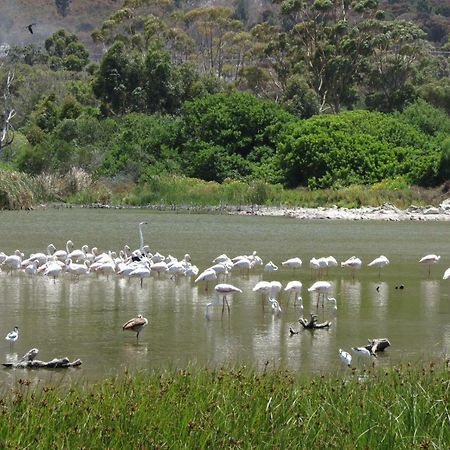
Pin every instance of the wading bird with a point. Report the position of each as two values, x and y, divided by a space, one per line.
379 262
294 287
429 259
13 335
136 324
222 289
322 288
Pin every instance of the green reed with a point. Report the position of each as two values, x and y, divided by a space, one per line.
21 191
401 408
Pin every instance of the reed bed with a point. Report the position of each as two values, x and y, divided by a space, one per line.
20 191
404 407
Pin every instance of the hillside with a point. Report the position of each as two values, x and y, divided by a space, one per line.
80 18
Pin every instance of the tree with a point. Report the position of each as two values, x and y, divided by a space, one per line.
66 51
62 6
119 75
321 40
399 52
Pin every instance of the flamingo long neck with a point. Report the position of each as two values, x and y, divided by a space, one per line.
141 239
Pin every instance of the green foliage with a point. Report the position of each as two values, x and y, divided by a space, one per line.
228 136
356 148
143 146
66 51
235 408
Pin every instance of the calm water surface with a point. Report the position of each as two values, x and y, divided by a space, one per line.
83 319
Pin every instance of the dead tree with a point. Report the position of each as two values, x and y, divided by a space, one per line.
7 130
312 323
377 345
28 361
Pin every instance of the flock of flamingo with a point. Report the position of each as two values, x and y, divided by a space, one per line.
141 263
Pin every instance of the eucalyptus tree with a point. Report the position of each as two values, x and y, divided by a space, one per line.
395 68
324 42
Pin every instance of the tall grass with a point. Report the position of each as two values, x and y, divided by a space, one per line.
399 408
19 191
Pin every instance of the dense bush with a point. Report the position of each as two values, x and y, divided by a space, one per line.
231 136
357 147
143 146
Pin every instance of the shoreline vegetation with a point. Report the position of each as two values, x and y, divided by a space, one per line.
402 407
77 188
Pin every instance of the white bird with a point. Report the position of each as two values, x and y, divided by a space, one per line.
334 305
53 269
13 335
222 289
353 263
379 262
294 287
136 324
270 267
293 263
141 271
207 275
446 274
322 288
429 259
14 261
276 308
345 357
77 269
141 237
265 288
362 352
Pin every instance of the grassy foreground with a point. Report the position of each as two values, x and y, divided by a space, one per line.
400 408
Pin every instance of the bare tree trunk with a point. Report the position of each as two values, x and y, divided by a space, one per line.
7 131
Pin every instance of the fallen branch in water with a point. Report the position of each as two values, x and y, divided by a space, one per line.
312 323
28 361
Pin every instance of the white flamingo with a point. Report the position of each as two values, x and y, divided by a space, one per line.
379 262
429 259
222 289
293 263
446 274
322 288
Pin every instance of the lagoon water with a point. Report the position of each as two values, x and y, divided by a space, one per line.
83 318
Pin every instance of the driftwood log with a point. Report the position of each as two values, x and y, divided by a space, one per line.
28 361
377 345
312 323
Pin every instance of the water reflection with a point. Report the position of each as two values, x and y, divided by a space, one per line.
83 318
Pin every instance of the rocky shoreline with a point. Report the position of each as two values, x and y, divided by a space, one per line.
387 211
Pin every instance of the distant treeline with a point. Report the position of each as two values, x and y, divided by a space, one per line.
320 95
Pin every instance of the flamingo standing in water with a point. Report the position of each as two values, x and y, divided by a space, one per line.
429 259
222 289
294 287
379 262
322 288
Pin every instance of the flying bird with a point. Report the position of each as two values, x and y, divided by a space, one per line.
135 324
30 27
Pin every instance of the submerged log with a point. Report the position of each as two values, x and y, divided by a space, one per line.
312 323
377 345
28 361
